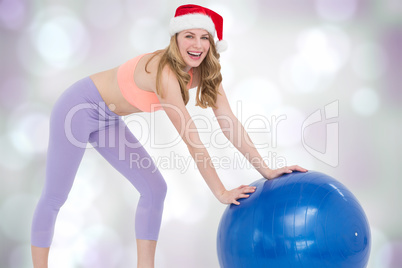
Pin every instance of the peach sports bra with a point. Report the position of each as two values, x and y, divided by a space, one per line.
146 101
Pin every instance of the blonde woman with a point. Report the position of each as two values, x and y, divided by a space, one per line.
91 109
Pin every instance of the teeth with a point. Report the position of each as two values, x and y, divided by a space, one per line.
194 54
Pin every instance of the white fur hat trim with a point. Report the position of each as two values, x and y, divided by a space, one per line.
191 21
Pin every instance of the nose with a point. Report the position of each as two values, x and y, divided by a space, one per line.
197 42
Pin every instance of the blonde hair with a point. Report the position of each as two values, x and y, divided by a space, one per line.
209 73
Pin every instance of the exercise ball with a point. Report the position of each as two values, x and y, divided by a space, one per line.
297 220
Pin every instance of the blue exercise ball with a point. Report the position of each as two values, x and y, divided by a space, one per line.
298 220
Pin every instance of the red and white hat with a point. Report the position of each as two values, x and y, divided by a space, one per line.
198 17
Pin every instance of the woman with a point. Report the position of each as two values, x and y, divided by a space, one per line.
90 110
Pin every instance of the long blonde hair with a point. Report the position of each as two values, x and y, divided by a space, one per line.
209 72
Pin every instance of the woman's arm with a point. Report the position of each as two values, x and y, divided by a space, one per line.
175 109
238 136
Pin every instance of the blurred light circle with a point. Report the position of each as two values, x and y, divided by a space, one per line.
196 211
158 9
336 10
369 61
13 90
148 35
287 132
326 48
53 43
303 77
59 37
68 229
57 40
365 101
10 157
16 213
316 46
84 194
228 73
321 53
28 126
13 13
297 155
98 246
72 222
254 96
61 258
30 133
104 14
390 255
192 210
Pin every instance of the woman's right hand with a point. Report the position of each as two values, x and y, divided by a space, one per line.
231 197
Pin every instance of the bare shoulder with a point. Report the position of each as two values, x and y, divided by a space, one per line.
151 61
168 76
145 72
170 84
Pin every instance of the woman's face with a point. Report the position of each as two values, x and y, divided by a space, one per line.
193 45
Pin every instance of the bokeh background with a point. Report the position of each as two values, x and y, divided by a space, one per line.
286 59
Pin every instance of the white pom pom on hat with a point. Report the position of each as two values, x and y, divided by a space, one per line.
221 46
193 16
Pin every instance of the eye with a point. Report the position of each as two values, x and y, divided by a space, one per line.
205 38
189 36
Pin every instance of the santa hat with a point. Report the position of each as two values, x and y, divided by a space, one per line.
198 17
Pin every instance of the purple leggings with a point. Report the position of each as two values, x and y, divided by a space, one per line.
80 116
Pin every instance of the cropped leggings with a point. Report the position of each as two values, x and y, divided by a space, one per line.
81 116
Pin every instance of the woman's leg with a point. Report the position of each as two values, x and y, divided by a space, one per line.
70 125
121 149
146 253
39 256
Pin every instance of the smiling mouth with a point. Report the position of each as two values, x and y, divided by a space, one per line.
194 54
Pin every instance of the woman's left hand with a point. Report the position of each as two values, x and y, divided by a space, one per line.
231 197
274 173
